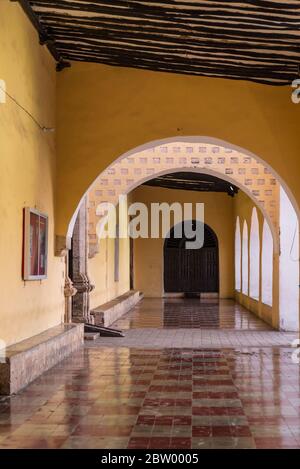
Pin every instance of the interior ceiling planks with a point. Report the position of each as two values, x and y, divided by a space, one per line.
193 182
252 40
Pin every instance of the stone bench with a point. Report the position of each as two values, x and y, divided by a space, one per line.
25 361
109 312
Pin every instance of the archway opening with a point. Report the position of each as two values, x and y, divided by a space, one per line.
254 257
238 167
191 271
245 260
238 254
267 266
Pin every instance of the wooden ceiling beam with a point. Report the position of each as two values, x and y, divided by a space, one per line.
255 41
193 182
44 37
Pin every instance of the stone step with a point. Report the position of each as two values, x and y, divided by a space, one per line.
25 361
107 313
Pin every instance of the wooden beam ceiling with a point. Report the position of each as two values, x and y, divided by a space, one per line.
193 182
252 40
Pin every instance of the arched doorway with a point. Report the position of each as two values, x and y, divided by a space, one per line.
203 155
191 270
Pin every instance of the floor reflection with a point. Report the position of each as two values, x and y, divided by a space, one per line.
121 397
190 313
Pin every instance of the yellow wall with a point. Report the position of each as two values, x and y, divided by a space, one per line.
27 176
101 268
243 207
105 111
148 253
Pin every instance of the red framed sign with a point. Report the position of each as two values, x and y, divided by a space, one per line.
35 245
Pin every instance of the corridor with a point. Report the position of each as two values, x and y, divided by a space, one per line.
110 394
149 162
190 313
184 323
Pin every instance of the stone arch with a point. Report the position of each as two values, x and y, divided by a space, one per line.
186 140
197 154
132 169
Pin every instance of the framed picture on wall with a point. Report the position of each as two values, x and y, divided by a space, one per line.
35 244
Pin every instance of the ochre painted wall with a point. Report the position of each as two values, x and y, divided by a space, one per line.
105 111
27 176
148 253
243 207
101 267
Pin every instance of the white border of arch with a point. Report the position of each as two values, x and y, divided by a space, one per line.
238 254
245 260
267 266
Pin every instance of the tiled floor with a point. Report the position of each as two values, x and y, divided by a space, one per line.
167 398
191 323
190 313
230 383
201 338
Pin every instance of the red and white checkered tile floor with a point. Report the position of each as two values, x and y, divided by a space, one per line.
122 397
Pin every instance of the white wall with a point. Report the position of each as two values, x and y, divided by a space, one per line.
288 265
267 266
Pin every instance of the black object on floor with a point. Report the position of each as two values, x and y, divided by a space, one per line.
103 331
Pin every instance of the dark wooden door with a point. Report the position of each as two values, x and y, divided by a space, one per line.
192 270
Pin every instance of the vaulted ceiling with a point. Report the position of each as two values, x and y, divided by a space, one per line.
251 40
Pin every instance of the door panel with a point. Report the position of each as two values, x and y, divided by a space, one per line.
191 270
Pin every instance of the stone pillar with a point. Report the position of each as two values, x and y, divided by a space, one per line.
69 291
81 281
